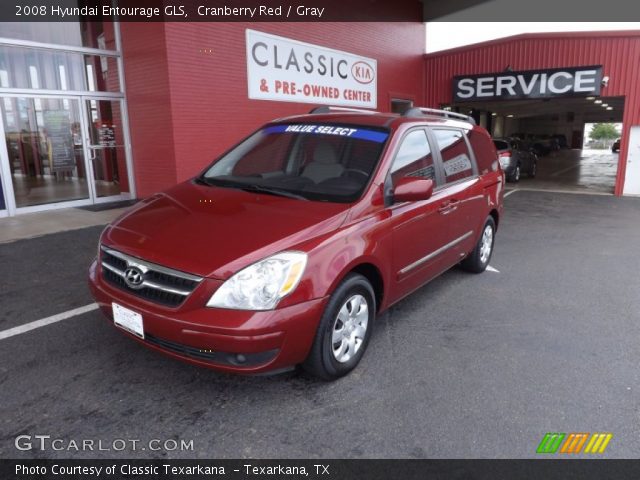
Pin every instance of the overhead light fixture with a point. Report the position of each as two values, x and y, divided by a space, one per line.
598 101
510 116
591 98
609 108
604 105
494 114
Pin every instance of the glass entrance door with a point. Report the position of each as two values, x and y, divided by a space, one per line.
44 143
106 148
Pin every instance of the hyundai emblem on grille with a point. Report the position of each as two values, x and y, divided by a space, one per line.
134 277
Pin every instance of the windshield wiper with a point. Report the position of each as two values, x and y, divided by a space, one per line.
203 181
218 182
271 191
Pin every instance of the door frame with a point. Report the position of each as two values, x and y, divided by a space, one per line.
81 98
88 149
631 185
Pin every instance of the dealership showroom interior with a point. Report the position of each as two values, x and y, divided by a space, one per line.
397 230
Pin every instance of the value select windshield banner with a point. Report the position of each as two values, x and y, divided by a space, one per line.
359 133
287 70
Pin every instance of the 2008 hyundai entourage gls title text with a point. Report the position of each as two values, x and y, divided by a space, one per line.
283 250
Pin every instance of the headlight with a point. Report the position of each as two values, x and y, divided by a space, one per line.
260 286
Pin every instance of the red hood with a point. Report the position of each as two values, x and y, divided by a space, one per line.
213 231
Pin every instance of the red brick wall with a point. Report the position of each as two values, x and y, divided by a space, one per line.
187 105
149 105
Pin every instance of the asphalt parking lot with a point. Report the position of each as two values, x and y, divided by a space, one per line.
470 366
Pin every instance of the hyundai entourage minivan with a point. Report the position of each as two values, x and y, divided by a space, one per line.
284 250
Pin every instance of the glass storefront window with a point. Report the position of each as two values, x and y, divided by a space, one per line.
80 34
46 156
62 110
33 68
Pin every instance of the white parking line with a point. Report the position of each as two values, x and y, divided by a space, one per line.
564 170
47 321
510 192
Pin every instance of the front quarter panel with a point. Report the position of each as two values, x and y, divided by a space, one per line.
332 257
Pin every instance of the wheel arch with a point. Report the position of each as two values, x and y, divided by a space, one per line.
496 217
371 272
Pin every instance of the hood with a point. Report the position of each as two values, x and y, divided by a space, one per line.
214 231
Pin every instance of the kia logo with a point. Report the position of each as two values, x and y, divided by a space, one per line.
133 277
362 72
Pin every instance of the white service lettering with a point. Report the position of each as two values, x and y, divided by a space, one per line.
465 85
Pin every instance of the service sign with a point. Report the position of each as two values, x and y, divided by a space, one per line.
557 82
286 70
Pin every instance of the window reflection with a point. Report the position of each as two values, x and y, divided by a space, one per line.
53 70
80 34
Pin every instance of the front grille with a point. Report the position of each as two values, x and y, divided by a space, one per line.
158 284
225 358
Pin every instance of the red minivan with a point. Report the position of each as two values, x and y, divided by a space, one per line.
284 250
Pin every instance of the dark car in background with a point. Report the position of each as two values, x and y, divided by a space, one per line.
560 140
515 158
544 144
615 148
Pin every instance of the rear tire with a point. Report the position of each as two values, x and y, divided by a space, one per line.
344 330
534 169
478 260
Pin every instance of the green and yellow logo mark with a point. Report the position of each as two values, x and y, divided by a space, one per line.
573 442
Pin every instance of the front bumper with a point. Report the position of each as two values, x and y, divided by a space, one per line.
237 341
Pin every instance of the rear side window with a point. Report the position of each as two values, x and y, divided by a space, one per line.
456 160
485 150
414 158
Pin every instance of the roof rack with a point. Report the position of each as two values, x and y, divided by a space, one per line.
328 109
434 112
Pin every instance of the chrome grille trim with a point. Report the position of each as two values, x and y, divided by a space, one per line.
147 283
145 267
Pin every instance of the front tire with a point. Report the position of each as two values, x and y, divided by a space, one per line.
344 330
515 176
478 260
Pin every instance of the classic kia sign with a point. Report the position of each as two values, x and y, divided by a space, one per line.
287 70
557 82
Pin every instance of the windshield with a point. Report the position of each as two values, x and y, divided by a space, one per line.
325 162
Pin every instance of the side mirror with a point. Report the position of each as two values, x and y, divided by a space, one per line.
412 189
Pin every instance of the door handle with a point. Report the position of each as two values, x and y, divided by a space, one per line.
448 206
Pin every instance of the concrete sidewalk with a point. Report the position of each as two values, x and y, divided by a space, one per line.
53 221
